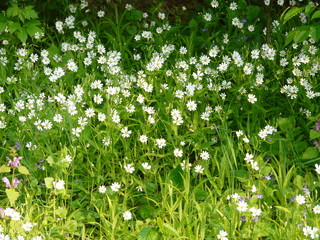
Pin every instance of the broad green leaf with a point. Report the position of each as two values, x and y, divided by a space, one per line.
5 169
32 30
22 35
50 160
62 212
167 228
12 195
301 36
286 124
314 134
13 26
253 12
48 181
315 33
291 13
310 153
29 13
316 15
309 9
175 176
148 233
13 11
200 194
23 170
146 211
3 22
132 30
290 37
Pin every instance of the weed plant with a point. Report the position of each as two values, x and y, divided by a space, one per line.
121 124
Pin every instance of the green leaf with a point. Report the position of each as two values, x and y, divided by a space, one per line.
316 15
301 35
148 233
131 30
175 176
29 13
290 37
200 194
12 195
32 30
50 160
314 134
308 10
193 24
291 13
167 228
48 181
315 33
310 153
23 170
253 12
13 11
146 211
22 35
13 26
62 212
3 22
5 169
286 124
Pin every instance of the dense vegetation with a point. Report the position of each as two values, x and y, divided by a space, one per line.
135 121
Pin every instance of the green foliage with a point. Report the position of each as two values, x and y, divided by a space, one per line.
21 22
301 34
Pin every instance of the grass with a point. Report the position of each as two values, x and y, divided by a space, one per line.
131 125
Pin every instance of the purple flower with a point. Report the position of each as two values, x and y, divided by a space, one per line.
243 218
306 190
15 162
317 145
259 195
7 182
267 177
317 128
17 145
14 184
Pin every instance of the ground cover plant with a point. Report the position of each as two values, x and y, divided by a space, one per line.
120 123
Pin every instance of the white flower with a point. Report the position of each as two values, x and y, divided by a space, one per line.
129 168
222 235
102 189
161 143
242 206
204 155
143 139
177 152
255 211
125 132
300 199
127 215
146 166
239 133
28 226
115 186
198 169
59 185
252 98
316 209
317 168
191 105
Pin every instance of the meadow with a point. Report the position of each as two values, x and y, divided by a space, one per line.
123 123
